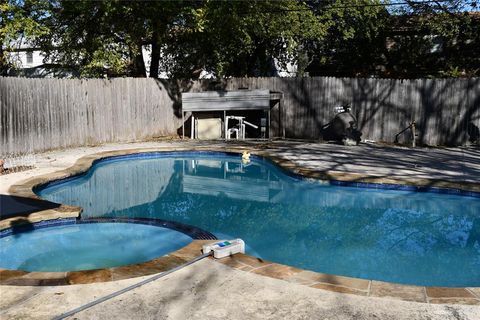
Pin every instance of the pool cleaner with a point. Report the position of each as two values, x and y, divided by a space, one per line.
224 249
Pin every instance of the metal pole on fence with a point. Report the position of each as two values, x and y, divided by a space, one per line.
414 134
183 125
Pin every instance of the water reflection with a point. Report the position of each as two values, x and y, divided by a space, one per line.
231 179
114 186
408 237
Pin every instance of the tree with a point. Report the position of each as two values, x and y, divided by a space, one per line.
239 38
247 38
419 39
20 22
98 36
354 42
455 28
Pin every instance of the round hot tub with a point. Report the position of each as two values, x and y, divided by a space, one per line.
85 246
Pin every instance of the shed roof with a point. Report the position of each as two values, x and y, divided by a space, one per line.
226 100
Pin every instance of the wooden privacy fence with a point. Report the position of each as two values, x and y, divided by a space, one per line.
42 114
446 111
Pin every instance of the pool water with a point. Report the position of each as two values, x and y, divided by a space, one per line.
87 246
408 237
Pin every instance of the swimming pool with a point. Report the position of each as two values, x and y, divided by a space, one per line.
422 238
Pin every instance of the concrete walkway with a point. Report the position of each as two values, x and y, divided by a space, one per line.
210 290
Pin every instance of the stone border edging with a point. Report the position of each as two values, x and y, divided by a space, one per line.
357 286
161 264
244 262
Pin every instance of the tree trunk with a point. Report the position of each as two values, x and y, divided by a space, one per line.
154 64
3 63
138 64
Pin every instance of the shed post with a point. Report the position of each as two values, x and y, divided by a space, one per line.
225 124
281 107
192 133
268 124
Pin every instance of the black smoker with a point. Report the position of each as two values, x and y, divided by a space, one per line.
343 127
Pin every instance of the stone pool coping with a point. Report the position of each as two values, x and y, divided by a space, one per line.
245 263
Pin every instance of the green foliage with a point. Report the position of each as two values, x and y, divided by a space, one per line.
353 45
105 59
20 21
240 38
246 38
417 40
456 31
101 37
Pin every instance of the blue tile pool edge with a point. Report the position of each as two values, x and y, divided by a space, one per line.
191 231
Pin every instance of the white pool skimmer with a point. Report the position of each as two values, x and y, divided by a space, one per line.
224 249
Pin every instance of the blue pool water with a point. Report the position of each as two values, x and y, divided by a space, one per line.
87 246
421 238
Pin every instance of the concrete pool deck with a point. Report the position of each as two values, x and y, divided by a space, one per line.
210 290
437 167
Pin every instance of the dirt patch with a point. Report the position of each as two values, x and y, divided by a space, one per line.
4 171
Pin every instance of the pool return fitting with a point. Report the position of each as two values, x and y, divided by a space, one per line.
219 250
